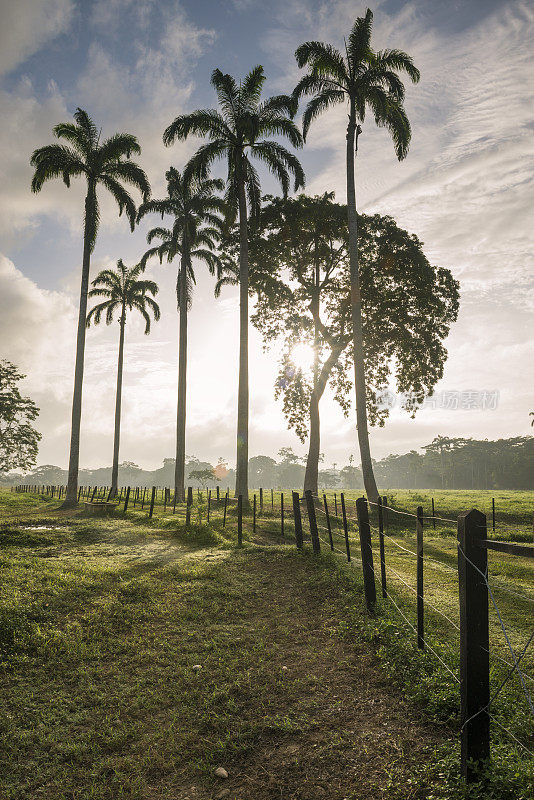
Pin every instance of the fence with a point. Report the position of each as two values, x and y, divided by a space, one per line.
332 526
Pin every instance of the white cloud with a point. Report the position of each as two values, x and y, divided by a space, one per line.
27 26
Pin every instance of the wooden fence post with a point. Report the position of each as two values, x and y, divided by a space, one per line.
174 500
209 506
282 513
297 519
254 515
367 553
474 643
261 500
433 515
189 506
493 512
218 492
328 525
420 590
345 525
240 520
272 501
316 544
93 495
152 499
335 503
225 507
126 500
382 549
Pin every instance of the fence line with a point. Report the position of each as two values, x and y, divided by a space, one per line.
475 595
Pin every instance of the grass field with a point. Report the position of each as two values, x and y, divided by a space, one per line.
300 693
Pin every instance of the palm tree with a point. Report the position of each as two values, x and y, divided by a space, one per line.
237 132
108 165
365 79
123 291
194 205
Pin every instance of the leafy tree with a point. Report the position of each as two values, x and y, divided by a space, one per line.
439 448
303 294
193 204
262 471
19 441
107 165
204 475
221 468
365 79
124 291
239 131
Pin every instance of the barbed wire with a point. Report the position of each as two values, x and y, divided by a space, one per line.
519 672
509 732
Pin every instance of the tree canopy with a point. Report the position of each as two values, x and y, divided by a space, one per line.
19 441
300 275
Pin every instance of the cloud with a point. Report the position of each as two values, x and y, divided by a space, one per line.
27 26
36 334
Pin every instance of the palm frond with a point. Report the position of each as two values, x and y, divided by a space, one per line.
199 123
54 161
359 44
321 102
84 121
279 104
121 197
394 118
400 61
130 173
227 93
276 125
280 162
117 146
324 60
199 165
251 88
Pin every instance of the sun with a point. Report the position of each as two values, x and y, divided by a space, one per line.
302 356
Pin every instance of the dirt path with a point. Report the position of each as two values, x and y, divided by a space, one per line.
356 735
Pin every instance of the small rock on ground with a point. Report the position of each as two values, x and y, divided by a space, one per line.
220 772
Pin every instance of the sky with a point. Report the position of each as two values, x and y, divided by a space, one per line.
466 189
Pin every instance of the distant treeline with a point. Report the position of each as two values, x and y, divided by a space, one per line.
444 463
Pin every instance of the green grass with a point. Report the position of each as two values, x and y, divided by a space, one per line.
300 691
513 509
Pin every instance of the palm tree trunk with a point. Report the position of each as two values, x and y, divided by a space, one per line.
71 497
357 327
179 469
311 477
118 402
241 483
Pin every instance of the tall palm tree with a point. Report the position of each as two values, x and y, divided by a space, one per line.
105 164
363 79
239 131
197 224
123 292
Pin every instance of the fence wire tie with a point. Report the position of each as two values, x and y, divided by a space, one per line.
516 663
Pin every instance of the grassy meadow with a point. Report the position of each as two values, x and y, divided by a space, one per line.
138 656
